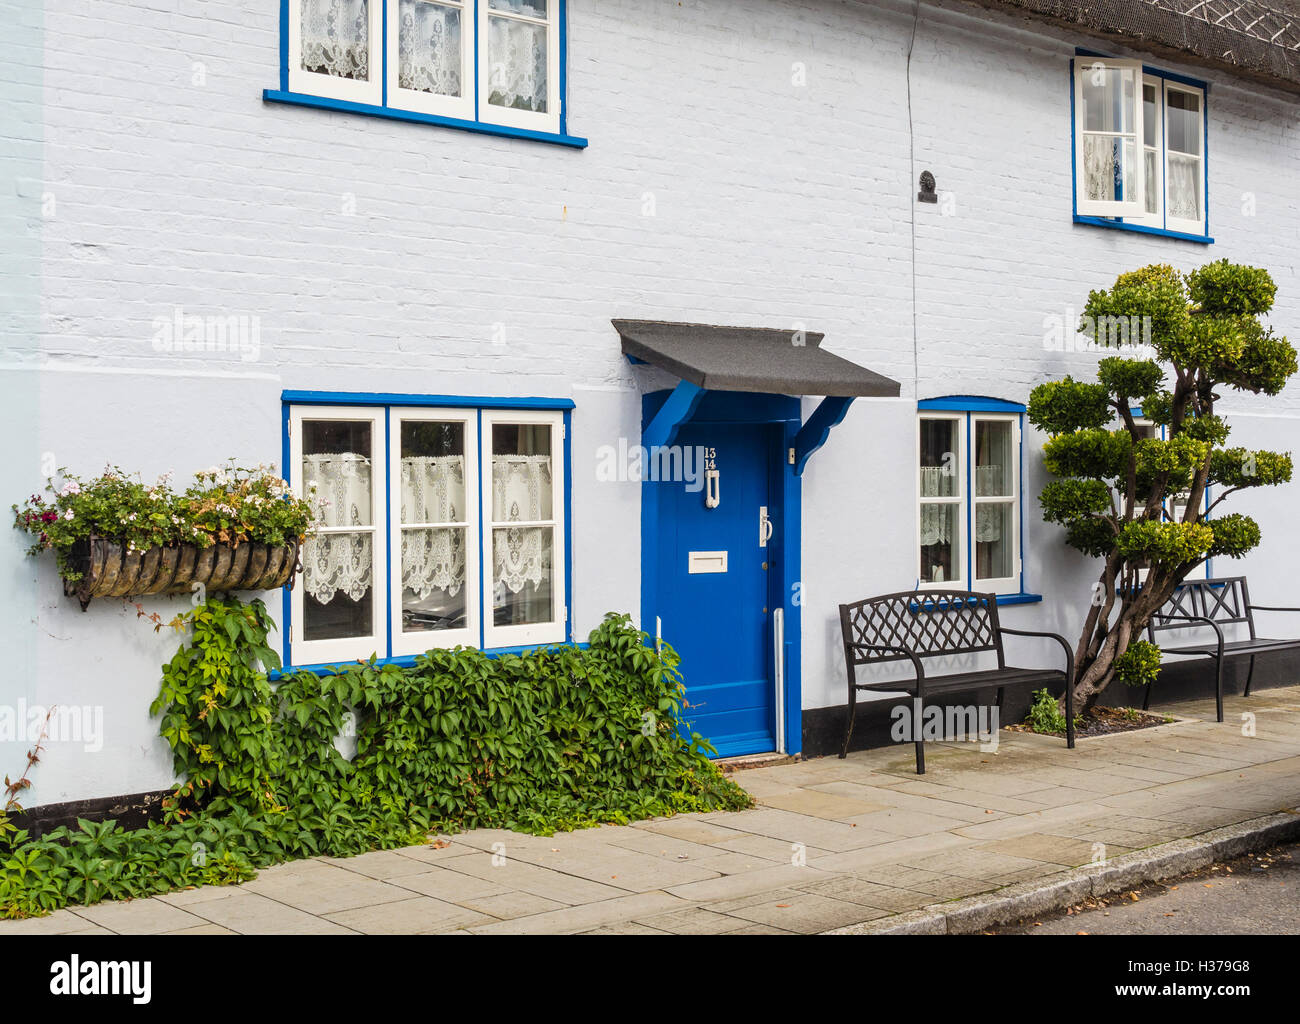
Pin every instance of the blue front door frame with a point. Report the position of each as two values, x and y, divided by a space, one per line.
759 430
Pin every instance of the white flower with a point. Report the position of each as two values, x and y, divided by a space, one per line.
69 515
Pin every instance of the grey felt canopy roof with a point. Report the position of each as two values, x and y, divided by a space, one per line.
1255 39
750 359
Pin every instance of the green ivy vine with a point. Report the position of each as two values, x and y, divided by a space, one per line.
555 739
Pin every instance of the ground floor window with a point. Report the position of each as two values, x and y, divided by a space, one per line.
968 489
436 526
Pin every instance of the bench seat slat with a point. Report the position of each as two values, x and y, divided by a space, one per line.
1256 646
1008 676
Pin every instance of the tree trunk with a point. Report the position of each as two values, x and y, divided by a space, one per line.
1103 642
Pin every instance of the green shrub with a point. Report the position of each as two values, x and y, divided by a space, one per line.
1044 713
556 739
1139 665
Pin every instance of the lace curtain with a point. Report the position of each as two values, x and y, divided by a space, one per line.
988 523
517 51
1151 199
429 48
938 524
1101 170
938 527
338 562
335 38
988 482
937 482
1184 187
433 491
521 491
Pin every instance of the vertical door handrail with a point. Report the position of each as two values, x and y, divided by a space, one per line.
778 674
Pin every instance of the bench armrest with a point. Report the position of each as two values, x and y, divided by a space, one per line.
887 648
1269 608
1218 630
1069 674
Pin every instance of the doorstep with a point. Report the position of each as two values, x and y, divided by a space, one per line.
766 760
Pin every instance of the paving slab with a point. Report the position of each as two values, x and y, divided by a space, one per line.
589 915
250 913
139 917
860 843
808 913
420 915
695 921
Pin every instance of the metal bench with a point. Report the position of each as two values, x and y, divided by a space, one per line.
1216 603
920 624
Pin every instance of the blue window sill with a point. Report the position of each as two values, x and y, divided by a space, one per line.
406 660
1002 599
482 128
1117 225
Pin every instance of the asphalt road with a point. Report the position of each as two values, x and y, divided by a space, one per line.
1254 895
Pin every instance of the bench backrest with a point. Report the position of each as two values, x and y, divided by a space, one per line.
1225 600
930 623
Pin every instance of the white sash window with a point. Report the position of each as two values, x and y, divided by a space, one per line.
336 49
1139 146
968 488
489 61
338 608
1108 137
435 528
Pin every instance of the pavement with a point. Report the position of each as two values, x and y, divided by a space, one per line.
860 844
1254 895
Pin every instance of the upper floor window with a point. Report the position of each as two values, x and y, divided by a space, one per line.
437 527
969 497
490 61
1139 146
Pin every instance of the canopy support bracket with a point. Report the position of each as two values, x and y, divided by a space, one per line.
679 407
813 434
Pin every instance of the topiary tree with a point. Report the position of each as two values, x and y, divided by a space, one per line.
1137 501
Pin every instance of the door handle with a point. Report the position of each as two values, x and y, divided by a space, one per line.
765 527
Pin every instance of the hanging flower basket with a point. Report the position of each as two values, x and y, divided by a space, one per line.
111 569
115 536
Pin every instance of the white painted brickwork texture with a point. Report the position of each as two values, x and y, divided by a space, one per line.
384 256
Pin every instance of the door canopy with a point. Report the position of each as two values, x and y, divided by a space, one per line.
761 360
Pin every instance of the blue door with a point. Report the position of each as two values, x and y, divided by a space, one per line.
716 581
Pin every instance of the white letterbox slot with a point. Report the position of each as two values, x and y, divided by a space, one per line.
706 561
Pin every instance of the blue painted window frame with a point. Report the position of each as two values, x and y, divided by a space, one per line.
395 400
972 406
484 127
1118 223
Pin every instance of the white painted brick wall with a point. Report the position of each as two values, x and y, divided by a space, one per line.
774 204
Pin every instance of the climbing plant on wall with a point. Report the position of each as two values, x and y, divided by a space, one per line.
554 739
